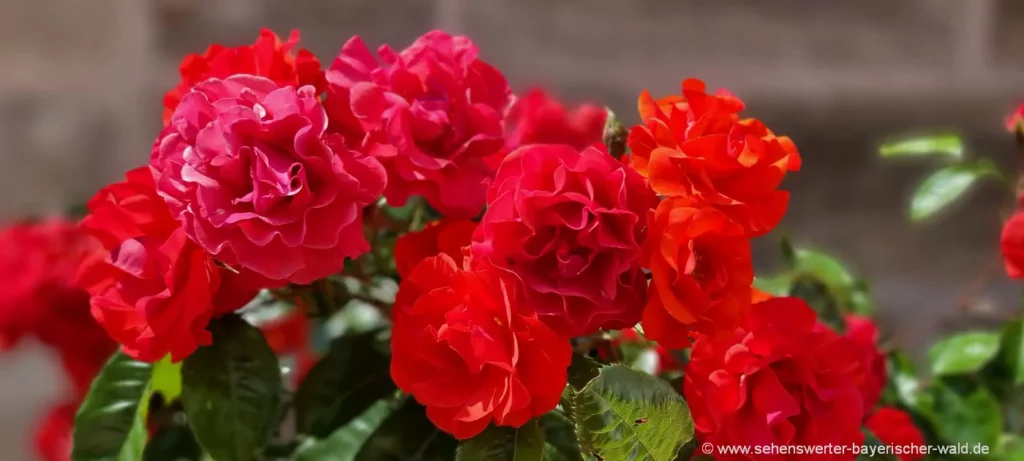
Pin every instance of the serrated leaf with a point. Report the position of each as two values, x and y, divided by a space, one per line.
963 411
582 370
407 435
946 185
626 414
110 424
231 391
1012 350
344 443
349 379
963 353
498 443
941 145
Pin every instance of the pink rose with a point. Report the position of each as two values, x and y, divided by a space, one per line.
246 166
431 113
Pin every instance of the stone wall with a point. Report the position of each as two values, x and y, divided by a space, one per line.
81 81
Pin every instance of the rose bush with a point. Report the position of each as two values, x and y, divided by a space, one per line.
399 258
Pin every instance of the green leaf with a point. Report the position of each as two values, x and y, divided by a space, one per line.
904 379
110 424
963 411
1012 350
1010 448
408 435
626 414
820 298
942 145
167 379
344 443
777 285
349 379
560 437
945 185
231 391
505 444
963 353
822 266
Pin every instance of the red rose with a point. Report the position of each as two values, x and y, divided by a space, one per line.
39 297
697 145
247 169
268 57
537 118
153 289
1012 245
781 379
53 433
570 224
862 332
431 113
447 236
894 427
465 346
700 272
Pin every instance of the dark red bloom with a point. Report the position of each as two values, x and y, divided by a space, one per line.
432 114
467 347
862 332
447 236
1012 245
781 379
570 224
537 118
895 428
700 272
697 145
153 289
267 57
248 170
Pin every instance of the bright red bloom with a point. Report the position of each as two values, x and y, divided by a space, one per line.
267 57
39 298
431 113
862 332
247 169
466 346
447 236
696 145
53 433
700 272
570 224
537 118
781 379
153 289
1012 245
894 427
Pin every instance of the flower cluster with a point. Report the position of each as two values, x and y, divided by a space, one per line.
270 170
39 299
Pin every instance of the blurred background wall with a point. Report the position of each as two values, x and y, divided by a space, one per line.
81 85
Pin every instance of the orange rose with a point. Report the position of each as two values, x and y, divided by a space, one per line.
697 145
700 272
